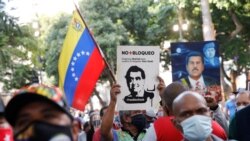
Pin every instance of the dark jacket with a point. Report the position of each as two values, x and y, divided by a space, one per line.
241 125
207 80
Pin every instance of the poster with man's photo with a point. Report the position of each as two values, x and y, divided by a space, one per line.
197 66
137 71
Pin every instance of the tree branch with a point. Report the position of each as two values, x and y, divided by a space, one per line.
99 98
223 70
237 23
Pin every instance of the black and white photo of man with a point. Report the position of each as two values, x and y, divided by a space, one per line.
135 78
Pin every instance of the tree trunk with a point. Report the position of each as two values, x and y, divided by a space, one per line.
233 80
207 27
248 79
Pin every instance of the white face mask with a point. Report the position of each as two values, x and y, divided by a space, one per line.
232 97
240 107
197 127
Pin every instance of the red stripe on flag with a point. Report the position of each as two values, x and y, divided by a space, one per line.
88 80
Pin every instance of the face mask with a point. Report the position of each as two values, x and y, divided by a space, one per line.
240 107
139 121
6 134
160 114
96 123
197 127
42 131
232 97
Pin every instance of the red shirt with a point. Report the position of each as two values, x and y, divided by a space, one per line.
166 131
97 135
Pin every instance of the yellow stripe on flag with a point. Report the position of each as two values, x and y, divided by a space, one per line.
75 30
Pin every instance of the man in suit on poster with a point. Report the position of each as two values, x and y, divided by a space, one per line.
195 66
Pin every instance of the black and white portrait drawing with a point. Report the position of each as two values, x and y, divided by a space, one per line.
137 71
135 78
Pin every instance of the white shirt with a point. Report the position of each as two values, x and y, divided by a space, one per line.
150 134
82 136
193 82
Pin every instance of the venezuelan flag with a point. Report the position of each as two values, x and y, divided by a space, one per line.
80 63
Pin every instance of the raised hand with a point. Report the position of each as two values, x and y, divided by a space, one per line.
161 86
115 90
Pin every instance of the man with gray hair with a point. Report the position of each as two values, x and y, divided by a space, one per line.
242 103
242 100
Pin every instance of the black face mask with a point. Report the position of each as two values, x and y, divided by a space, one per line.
139 121
42 131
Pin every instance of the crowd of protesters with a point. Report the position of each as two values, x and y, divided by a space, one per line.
41 113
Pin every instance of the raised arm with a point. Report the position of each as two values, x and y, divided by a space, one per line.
107 120
161 86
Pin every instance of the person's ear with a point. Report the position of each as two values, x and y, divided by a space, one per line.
177 124
166 110
75 130
210 114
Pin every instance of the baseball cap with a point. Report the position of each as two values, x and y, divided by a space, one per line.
150 113
35 92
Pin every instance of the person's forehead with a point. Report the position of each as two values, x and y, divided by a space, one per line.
38 105
96 117
135 112
40 111
243 96
195 58
135 74
190 103
210 48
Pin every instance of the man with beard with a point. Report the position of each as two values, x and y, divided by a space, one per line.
133 122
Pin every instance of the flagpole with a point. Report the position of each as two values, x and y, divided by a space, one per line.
109 68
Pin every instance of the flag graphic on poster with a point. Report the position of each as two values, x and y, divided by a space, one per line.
80 63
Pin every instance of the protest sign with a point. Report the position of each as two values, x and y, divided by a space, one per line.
197 65
137 71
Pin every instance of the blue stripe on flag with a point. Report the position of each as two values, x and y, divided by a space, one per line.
78 61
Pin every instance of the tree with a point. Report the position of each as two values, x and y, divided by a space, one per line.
129 22
230 19
15 43
234 38
53 43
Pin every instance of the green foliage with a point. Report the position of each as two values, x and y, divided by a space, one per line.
145 22
237 47
16 42
22 75
53 43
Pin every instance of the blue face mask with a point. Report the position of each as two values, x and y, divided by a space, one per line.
197 127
